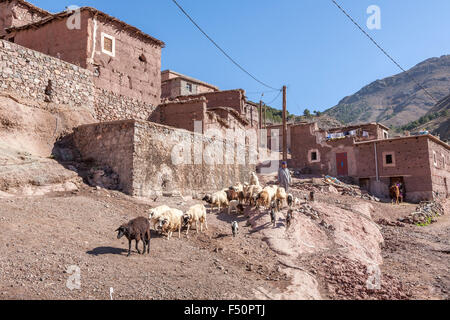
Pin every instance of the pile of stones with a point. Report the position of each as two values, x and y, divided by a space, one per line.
425 213
309 211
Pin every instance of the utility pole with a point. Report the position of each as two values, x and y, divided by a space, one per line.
265 116
260 114
285 153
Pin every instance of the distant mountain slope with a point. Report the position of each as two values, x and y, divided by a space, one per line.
437 120
397 100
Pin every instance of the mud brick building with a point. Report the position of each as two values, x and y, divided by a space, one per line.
175 84
367 154
16 13
126 62
85 58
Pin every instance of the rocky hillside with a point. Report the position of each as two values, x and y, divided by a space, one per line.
437 120
397 100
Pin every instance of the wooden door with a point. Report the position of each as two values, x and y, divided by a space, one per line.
342 164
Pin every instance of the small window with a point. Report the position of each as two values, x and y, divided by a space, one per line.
142 58
314 156
386 134
389 159
108 45
189 87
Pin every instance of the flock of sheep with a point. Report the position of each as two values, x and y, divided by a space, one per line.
169 220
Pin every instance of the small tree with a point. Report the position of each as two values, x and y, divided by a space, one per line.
307 113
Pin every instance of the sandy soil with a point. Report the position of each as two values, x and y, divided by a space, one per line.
44 235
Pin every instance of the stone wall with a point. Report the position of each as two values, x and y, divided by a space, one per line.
155 171
109 144
110 106
153 159
26 73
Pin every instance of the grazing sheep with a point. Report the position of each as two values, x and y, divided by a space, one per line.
238 187
264 199
311 196
254 181
235 206
195 214
290 200
297 202
155 213
241 197
289 219
232 194
171 221
234 228
137 229
218 199
252 192
281 196
273 217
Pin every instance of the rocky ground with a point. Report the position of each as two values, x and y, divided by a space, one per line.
330 254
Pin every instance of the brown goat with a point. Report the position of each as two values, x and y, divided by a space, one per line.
394 192
137 229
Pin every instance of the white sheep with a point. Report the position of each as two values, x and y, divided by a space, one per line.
171 221
235 206
195 214
218 199
254 181
155 213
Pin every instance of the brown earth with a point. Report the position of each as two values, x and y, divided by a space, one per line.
328 258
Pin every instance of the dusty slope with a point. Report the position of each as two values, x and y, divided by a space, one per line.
28 133
313 260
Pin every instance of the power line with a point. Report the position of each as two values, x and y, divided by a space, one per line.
384 51
279 93
218 47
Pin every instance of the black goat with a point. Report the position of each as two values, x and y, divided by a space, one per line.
289 219
290 200
137 229
273 217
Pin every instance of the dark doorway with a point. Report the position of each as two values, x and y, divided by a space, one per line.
342 164
364 183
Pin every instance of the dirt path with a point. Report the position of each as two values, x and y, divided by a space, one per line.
42 236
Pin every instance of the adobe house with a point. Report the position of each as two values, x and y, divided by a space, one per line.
175 84
420 163
230 99
16 13
125 60
367 154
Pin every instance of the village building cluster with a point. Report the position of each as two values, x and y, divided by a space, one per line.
119 68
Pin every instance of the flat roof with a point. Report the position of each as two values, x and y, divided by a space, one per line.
428 136
30 6
179 75
64 14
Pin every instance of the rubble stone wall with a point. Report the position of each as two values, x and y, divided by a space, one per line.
110 144
153 159
155 171
26 73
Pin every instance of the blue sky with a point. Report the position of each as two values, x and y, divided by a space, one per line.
308 45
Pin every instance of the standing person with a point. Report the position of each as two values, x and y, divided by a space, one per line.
284 176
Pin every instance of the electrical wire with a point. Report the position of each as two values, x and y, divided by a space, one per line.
384 51
218 47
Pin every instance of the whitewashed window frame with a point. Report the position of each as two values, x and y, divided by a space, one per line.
107 36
